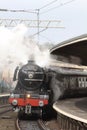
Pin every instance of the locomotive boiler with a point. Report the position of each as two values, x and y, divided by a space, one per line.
31 94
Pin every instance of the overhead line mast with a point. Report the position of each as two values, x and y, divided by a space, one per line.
38 23
45 24
32 23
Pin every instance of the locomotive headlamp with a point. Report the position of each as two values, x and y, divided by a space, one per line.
14 102
28 95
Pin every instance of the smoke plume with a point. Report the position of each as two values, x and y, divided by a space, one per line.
56 86
16 48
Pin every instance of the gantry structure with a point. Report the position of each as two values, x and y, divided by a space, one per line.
31 23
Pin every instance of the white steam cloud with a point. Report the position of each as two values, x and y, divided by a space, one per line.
17 48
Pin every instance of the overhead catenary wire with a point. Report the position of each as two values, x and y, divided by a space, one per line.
61 4
37 11
38 16
52 2
14 10
46 38
39 32
28 11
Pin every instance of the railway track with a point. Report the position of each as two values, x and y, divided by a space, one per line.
25 125
9 121
5 108
7 118
37 125
72 115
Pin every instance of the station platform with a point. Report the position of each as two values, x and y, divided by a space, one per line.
75 108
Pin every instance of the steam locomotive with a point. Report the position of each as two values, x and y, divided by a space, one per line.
31 94
37 88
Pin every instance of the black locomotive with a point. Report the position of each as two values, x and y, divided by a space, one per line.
37 88
32 93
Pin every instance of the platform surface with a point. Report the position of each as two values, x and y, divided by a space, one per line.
75 108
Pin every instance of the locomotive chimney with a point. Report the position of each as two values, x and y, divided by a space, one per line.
31 61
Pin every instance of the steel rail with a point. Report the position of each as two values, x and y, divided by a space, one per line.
31 125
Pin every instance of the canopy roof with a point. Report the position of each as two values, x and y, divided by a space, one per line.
72 51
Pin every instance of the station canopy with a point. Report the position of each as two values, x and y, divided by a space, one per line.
72 51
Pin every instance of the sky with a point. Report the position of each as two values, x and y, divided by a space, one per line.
72 13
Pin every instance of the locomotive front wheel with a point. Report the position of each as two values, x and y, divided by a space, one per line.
21 115
49 113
